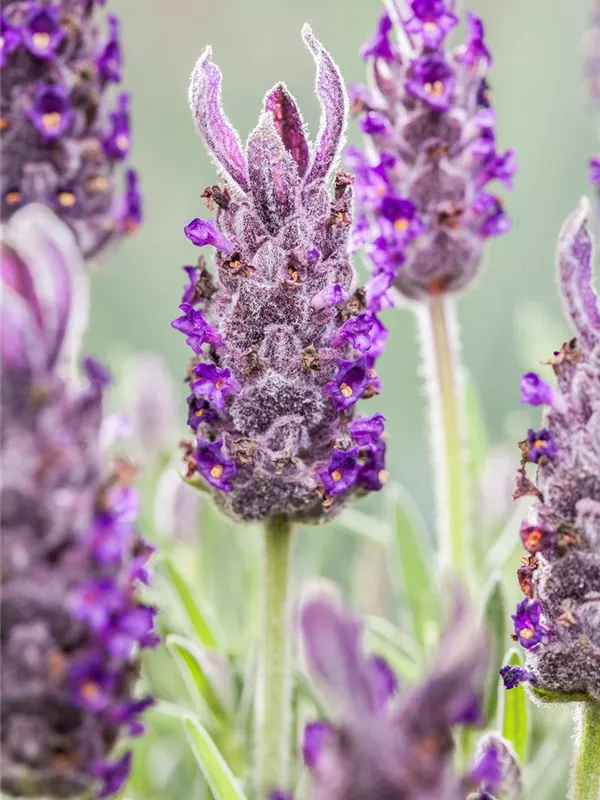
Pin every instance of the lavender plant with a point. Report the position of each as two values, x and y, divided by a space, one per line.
72 619
388 743
425 208
63 137
284 344
557 621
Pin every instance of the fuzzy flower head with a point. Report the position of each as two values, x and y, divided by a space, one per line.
72 621
386 741
558 621
427 180
64 132
284 344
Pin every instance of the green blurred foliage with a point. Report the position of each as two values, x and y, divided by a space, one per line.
510 320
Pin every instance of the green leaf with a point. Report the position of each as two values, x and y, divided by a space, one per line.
494 618
412 561
198 621
194 667
364 525
219 777
170 710
303 689
513 712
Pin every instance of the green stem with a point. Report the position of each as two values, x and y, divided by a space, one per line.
585 777
439 331
274 695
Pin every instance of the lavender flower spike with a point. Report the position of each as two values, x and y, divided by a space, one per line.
61 139
376 748
284 343
71 620
558 622
425 208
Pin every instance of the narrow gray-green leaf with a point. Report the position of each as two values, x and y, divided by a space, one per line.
413 562
198 620
364 525
494 619
193 666
513 714
219 777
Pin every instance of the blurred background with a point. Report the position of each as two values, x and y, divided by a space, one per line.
511 320
543 113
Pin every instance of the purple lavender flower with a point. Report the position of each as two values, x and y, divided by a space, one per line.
110 60
375 748
61 142
529 629
198 331
432 147
117 142
431 21
72 621
475 50
41 32
536 538
539 444
512 676
130 210
537 392
348 384
10 38
341 472
213 465
558 621
214 384
201 232
496 770
594 173
50 111
284 342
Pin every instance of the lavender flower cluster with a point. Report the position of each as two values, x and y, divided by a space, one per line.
72 620
62 136
425 208
284 341
558 620
388 743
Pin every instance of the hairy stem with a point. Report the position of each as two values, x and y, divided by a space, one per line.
440 348
585 776
274 689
